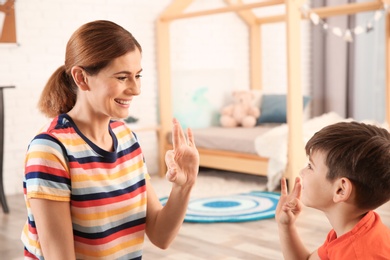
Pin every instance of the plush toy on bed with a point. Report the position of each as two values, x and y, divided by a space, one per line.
242 112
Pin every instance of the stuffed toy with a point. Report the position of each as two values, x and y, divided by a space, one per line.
242 112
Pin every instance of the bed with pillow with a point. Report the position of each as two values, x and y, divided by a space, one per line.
235 149
286 140
218 158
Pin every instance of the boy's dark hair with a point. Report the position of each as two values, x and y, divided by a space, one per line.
359 152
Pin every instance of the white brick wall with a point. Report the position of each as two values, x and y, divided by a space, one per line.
44 27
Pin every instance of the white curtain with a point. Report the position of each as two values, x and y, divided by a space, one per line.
369 77
348 77
331 65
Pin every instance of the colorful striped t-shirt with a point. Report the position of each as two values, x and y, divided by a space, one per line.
106 190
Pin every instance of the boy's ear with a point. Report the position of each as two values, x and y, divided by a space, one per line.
80 78
342 190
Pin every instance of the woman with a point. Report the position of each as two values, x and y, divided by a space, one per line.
86 184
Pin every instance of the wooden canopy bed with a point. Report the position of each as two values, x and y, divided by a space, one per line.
243 162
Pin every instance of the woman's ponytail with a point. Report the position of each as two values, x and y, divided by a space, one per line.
59 94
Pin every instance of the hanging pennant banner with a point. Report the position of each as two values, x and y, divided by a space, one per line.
348 34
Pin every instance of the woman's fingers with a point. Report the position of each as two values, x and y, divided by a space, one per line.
171 165
191 140
178 134
183 160
169 159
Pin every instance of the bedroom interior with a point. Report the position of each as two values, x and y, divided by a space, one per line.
252 163
228 241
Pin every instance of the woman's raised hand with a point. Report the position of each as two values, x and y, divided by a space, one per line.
183 160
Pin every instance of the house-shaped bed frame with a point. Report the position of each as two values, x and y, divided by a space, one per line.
247 163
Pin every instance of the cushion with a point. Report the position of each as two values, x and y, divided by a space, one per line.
273 108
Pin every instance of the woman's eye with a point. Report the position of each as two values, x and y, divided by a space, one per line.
138 76
309 166
121 78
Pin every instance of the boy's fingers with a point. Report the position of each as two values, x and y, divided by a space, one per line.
283 186
297 188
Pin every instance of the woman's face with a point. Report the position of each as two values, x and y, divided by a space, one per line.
113 88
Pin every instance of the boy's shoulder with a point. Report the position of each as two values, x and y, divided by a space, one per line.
354 243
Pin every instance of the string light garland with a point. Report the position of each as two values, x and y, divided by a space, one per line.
348 34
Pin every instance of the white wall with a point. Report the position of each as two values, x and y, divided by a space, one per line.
44 27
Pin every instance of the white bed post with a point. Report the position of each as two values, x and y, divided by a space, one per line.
296 154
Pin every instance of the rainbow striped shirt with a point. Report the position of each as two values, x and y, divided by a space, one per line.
106 190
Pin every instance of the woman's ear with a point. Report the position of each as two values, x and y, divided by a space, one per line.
343 188
80 78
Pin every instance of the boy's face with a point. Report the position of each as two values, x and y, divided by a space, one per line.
317 191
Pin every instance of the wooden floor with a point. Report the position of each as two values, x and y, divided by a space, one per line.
227 241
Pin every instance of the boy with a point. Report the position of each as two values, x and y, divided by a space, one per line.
347 177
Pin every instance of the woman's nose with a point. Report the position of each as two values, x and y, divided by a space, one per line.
133 88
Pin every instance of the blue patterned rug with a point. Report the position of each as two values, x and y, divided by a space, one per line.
242 207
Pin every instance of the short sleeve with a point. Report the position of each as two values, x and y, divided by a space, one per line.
46 173
323 250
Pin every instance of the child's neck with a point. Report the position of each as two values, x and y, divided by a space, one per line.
344 218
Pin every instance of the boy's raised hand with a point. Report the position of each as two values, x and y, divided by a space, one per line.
183 160
289 205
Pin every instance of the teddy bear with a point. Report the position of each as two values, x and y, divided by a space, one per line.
242 112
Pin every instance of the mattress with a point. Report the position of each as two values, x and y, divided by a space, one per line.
237 139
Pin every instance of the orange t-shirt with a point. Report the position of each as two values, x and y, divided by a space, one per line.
369 239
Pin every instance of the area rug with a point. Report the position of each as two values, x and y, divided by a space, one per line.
255 205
